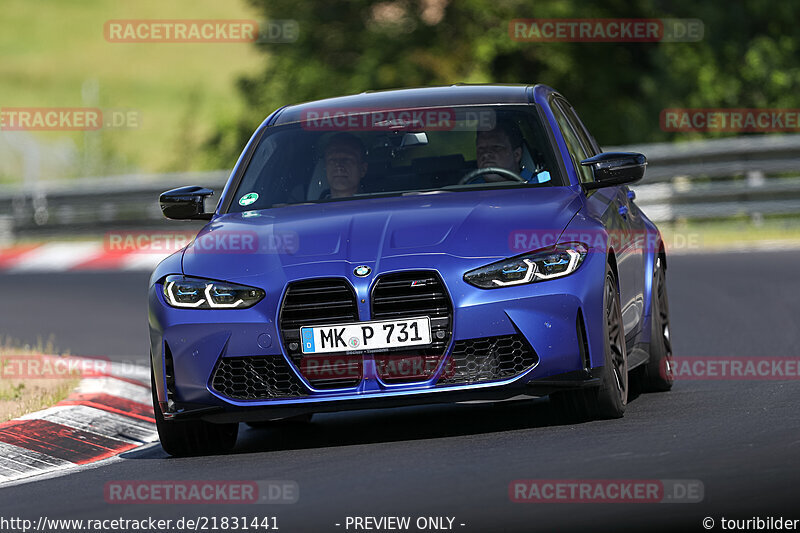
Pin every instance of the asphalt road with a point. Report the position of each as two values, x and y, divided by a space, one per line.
79 312
741 439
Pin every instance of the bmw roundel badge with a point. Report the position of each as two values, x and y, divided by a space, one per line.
362 271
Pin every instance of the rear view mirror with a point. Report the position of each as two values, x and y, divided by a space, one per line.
414 139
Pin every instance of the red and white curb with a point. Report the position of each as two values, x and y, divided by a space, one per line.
102 418
75 256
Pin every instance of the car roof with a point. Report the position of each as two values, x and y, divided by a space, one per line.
452 95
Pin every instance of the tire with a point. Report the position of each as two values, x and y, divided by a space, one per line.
298 419
192 437
657 375
611 397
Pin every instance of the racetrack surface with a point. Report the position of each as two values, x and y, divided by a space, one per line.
85 313
740 438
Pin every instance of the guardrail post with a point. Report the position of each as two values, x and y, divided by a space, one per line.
755 178
6 230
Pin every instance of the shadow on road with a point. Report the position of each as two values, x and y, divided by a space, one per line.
391 425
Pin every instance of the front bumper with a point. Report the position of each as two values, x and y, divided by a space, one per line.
189 346
495 392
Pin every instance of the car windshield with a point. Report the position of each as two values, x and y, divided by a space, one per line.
334 155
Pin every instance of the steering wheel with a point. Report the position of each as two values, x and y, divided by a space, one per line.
491 170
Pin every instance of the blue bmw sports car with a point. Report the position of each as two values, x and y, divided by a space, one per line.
409 247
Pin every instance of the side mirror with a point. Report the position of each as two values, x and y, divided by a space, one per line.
185 203
615 168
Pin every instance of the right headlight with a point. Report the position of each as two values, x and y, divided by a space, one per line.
540 265
197 293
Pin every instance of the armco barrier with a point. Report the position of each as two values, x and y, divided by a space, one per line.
717 178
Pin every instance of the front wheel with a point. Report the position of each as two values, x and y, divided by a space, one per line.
657 374
192 437
611 397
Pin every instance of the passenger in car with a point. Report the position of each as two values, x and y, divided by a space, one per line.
345 165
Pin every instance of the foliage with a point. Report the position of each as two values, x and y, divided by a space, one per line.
747 58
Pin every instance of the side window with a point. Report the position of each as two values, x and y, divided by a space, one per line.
577 149
583 133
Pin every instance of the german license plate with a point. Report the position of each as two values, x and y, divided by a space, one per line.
373 335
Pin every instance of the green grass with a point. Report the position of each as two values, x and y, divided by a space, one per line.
21 395
715 235
50 48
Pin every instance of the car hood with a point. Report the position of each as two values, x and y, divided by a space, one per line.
461 224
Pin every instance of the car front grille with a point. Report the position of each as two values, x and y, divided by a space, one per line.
407 295
472 361
256 378
488 359
317 302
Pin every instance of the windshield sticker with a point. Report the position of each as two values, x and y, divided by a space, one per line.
248 198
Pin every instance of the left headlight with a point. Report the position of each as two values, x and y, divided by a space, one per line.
196 293
549 263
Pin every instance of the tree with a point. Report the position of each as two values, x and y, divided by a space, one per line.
747 58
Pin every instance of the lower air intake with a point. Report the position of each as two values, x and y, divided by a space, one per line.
256 378
488 359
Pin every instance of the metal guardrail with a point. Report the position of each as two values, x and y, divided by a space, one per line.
692 180
715 158
719 178
752 197
94 205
